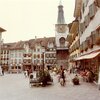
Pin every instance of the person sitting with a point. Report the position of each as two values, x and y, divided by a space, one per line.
75 80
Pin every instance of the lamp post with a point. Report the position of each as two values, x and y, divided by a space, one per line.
43 58
43 61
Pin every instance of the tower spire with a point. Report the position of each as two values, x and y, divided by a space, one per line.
61 19
60 2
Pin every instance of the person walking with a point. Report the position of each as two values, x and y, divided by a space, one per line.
2 71
62 77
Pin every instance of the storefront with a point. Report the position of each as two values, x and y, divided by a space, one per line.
90 61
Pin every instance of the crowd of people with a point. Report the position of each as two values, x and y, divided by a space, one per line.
62 76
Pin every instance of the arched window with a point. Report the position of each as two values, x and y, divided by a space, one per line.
62 41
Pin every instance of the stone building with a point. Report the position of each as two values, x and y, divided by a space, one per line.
87 14
31 54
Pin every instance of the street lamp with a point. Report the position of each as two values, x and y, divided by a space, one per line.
43 52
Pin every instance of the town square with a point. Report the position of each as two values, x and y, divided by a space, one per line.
50 49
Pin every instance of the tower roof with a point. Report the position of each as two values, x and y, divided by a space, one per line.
2 30
60 2
61 19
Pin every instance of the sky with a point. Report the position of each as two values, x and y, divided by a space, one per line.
25 19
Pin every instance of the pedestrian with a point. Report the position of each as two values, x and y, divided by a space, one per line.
62 77
25 73
2 71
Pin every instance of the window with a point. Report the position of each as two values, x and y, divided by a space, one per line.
24 55
19 67
87 2
50 55
62 41
5 52
42 55
83 8
81 47
50 49
85 45
92 10
29 55
96 36
38 49
1 51
34 55
82 28
34 50
47 55
19 54
20 60
29 61
87 20
38 56
90 41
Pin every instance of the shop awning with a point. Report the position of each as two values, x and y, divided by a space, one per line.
88 56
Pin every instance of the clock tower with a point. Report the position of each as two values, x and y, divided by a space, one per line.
61 31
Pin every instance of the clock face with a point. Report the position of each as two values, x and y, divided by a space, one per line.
61 28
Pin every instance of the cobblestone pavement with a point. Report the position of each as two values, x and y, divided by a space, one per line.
16 87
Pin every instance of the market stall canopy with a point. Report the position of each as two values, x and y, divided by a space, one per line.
88 56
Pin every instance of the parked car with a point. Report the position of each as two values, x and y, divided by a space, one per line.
40 78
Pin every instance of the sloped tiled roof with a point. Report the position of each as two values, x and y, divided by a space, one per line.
42 41
18 45
7 45
32 43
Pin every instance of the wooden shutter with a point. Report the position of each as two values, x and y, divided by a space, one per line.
81 47
87 20
82 27
89 42
86 45
92 10
98 36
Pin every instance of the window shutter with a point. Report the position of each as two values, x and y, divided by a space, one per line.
81 47
87 20
98 36
82 27
86 45
89 41
92 10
